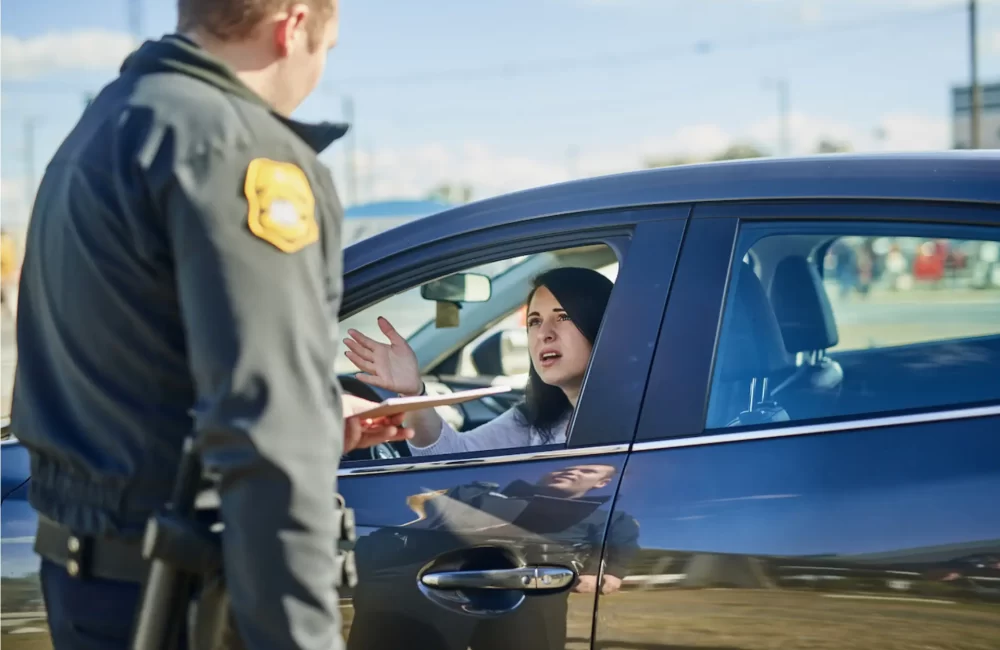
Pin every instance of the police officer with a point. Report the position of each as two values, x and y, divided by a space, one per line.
182 275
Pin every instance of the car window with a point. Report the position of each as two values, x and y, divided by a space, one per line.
823 324
488 344
890 291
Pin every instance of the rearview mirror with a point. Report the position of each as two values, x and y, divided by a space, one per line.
458 288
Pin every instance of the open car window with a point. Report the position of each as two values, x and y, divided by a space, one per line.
487 340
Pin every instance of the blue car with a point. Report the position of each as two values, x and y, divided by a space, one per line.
763 455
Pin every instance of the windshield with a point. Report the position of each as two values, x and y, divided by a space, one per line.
408 311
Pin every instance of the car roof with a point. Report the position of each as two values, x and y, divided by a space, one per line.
955 176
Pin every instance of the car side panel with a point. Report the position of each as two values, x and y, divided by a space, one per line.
407 520
877 533
872 538
412 512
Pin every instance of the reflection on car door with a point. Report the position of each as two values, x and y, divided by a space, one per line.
452 562
504 550
874 530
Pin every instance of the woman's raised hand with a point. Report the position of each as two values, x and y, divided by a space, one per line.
391 366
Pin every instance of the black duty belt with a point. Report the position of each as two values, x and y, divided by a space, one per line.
119 559
97 557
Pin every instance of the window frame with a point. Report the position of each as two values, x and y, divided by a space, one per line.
685 357
645 240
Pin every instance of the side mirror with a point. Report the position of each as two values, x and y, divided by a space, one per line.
502 354
458 288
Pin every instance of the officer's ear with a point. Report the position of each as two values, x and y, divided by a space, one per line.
290 29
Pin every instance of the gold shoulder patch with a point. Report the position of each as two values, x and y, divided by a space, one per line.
282 206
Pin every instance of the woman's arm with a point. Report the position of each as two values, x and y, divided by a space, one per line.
502 432
427 427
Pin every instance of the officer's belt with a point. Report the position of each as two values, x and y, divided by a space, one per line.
98 557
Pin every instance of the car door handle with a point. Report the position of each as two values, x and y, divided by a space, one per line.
529 578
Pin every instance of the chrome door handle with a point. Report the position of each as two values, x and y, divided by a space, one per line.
527 578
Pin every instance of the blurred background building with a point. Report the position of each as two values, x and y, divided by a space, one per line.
961 116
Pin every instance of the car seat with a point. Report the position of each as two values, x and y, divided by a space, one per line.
751 351
808 328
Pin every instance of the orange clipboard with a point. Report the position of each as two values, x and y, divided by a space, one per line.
397 405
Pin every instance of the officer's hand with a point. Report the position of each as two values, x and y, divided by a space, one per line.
392 367
586 585
363 433
611 584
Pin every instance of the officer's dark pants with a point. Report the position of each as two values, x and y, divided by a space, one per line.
88 614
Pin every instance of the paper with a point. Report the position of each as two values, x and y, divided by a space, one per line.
396 405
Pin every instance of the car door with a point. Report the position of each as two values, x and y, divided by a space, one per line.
817 462
481 549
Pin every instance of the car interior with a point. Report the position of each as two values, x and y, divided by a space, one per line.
776 359
479 341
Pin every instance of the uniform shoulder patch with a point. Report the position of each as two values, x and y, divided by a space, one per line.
282 207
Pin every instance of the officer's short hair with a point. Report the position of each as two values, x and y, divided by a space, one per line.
229 20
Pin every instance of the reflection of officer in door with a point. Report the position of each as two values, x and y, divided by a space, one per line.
551 521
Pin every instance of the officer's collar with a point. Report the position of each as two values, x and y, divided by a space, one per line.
178 53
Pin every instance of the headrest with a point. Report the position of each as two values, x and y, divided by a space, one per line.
751 341
802 307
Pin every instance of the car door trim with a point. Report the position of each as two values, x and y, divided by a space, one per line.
523 457
827 427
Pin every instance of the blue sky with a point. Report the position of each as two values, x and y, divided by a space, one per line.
593 86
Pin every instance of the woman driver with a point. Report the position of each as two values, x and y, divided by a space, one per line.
564 313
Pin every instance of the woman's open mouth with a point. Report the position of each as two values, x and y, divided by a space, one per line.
548 358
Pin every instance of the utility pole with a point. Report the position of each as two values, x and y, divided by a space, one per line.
781 86
370 172
29 157
135 19
352 162
975 92
572 157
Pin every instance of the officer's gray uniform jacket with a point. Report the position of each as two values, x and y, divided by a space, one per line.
183 272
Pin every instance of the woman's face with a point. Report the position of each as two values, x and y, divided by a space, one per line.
560 353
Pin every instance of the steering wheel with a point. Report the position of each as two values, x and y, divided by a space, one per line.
382 451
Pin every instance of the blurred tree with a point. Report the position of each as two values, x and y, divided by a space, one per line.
650 163
827 145
451 193
739 152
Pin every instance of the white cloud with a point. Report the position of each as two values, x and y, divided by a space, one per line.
413 172
993 41
76 50
805 132
905 132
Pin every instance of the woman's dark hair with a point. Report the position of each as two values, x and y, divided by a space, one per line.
584 294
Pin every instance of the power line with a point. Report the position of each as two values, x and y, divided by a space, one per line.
540 67
616 60
351 153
